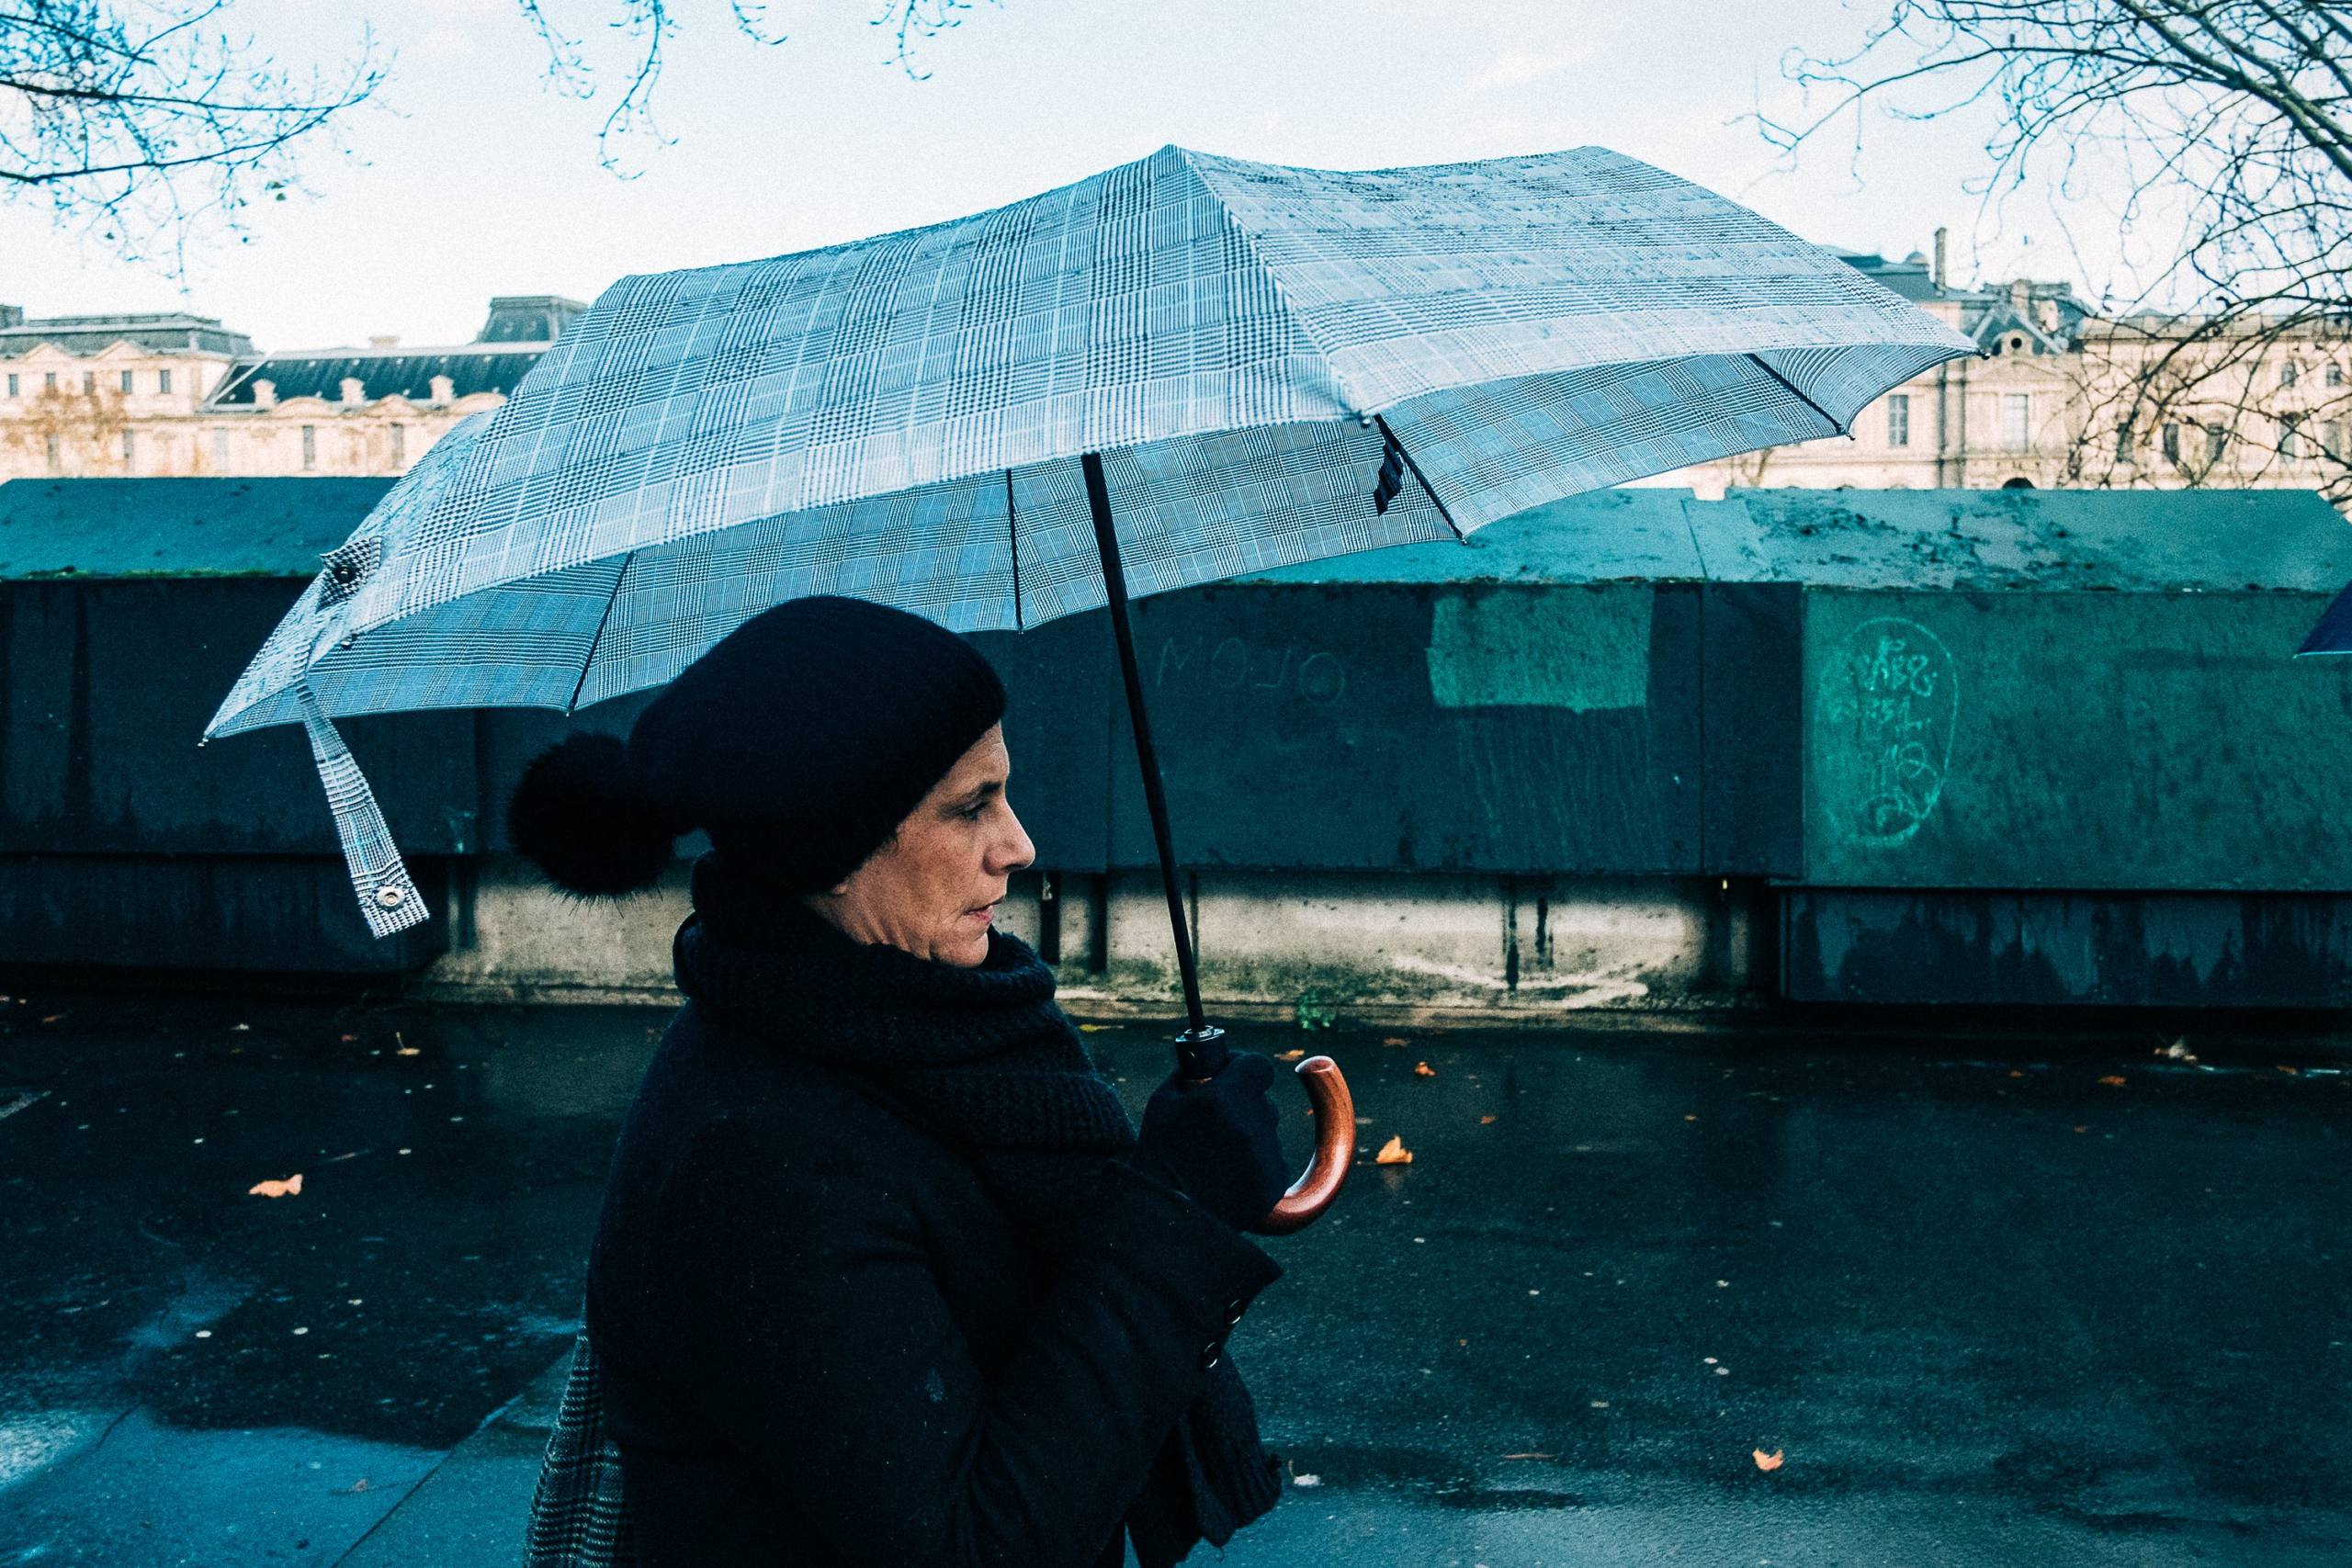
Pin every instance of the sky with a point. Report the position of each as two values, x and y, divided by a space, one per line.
471 176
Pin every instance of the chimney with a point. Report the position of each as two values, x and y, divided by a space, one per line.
444 390
12 315
265 394
353 390
1939 259
2021 292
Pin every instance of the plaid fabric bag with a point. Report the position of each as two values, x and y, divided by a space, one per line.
578 1518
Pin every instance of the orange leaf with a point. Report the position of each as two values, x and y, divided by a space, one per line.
2113 1080
1290 1056
1423 1070
1396 1040
2014 1073
1484 1119
2290 1072
292 1185
52 1017
1768 1461
1393 1152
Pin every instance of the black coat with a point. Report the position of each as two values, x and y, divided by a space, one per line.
825 1343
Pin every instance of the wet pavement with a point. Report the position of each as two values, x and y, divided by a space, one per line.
1989 1298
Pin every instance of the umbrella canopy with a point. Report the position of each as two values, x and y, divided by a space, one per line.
1274 365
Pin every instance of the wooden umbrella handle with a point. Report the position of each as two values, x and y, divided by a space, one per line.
1334 1144
1335 1148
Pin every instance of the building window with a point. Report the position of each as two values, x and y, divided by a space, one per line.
1898 420
129 448
2286 372
2172 444
2332 376
12 383
2123 441
2331 435
89 382
49 380
162 380
2014 419
399 443
56 458
2216 441
126 380
221 450
309 446
2290 426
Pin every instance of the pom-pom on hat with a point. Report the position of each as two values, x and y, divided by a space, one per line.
797 742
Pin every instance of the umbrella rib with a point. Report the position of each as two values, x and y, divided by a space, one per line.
1013 528
1390 437
597 641
1791 386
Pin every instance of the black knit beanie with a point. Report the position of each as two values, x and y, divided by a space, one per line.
797 742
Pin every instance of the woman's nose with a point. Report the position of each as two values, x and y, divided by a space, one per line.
1020 850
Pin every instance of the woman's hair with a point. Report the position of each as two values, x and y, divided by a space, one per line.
583 816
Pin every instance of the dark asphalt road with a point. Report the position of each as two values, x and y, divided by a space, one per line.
1988 1307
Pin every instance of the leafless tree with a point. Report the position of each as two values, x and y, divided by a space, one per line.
138 118
2228 124
645 29
135 115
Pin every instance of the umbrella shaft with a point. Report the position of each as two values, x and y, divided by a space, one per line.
1207 1056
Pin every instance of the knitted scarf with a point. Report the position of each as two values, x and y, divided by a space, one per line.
982 1058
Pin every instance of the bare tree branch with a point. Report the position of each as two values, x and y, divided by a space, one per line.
2236 115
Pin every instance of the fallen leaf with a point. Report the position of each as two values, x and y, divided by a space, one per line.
1095 1028
1690 1117
2113 1080
2082 1129
410 1051
362 1485
1527 1456
52 1017
1423 1070
351 1039
1396 1040
2290 1072
1768 1461
2177 1051
274 1189
1308 1480
1393 1152
2014 1073
1292 1055
1484 1119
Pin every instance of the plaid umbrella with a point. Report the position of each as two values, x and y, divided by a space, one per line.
1180 370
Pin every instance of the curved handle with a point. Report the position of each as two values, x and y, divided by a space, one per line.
1335 1148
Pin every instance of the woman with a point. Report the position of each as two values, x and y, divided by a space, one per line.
884 1273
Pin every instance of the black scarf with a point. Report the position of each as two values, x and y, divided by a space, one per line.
982 1058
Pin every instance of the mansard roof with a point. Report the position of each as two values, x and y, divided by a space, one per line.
159 332
381 372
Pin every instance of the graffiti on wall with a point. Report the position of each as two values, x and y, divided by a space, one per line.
1888 699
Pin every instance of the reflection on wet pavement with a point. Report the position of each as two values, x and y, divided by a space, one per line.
1989 1302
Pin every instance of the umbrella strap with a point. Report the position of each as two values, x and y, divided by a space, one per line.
388 900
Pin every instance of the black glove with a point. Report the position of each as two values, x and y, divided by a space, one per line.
1217 1143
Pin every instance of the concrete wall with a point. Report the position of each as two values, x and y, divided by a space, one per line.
1407 948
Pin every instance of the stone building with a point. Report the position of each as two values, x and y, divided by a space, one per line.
170 394
2048 403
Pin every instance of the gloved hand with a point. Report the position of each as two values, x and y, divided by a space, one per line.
1217 1143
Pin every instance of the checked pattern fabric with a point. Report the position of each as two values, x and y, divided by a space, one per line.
1277 365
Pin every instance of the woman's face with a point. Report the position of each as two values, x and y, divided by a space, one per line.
932 889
